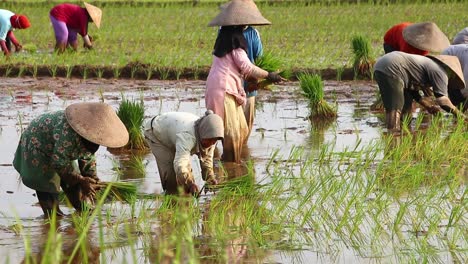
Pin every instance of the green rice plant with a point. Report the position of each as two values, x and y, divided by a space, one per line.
362 61
132 114
30 47
270 63
69 70
53 70
312 89
119 191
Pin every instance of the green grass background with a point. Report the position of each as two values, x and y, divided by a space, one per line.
304 35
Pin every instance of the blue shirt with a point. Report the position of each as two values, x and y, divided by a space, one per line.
254 49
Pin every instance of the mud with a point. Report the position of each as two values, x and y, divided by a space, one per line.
281 123
140 71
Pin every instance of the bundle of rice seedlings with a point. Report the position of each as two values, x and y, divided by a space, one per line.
270 63
312 89
132 114
30 47
119 191
363 60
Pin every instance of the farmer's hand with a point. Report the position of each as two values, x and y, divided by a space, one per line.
18 48
274 77
88 186
252 85
193 189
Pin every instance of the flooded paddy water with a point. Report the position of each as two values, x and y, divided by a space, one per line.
318 200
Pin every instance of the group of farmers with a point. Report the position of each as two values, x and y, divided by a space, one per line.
57 149
419 63
68 20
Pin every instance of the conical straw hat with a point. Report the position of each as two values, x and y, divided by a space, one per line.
457 80
98 123
426 36
95 13
239 12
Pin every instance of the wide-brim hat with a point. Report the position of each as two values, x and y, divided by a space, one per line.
426 36
98 123
456 80
239 12
95 13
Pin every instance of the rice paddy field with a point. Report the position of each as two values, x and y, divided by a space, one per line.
156 39
342 191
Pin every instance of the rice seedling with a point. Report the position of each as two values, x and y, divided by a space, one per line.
69 70
119 191
132 114
312 89
270 63
362 61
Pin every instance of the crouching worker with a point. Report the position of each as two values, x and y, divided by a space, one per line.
173 138
400 76
57 150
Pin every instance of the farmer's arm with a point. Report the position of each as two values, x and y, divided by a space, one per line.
447 105
67 147
249 70
206 163
425 102
185 142
87 165
15 42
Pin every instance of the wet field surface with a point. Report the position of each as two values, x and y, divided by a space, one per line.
281 123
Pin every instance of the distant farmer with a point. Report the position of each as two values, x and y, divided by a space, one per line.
8 22
419 38
68 20
173 138
254 50
231 66
461 52
396 71
57 150
461 37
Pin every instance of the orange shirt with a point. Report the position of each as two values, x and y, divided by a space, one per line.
394 38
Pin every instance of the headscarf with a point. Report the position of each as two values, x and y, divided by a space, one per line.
209 126
19 21
229 38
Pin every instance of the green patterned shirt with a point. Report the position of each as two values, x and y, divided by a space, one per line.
50 148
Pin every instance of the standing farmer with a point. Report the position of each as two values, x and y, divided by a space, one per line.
173 138
254 50
231 66
49 148
400 76
68 20
8 22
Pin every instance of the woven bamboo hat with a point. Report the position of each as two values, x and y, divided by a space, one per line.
239 12
98 123
95 13
426 36
456 80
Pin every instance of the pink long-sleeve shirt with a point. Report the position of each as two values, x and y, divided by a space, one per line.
226 76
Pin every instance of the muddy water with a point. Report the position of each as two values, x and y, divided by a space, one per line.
281 123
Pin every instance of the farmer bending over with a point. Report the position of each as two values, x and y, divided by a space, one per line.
57 150
461 37
8 22
397 72
419 38
68 20
459 97
173 138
